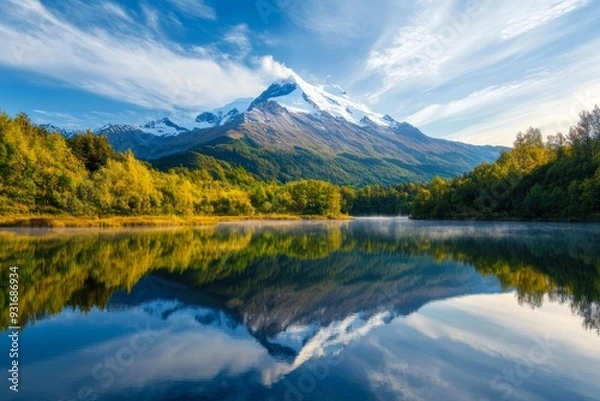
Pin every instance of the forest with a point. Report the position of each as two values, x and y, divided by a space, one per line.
43 173
557 180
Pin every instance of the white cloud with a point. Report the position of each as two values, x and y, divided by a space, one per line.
406 380
483 98
67 120
454 349
117 10
152 17
551 103
495 316
273 68
551 114
131 68
410 53
441 43
239 36
541 14
333 20
452 63
195 8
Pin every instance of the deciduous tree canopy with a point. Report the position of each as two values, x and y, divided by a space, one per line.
42 172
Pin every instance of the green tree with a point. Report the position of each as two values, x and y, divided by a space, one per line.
314 197
93 150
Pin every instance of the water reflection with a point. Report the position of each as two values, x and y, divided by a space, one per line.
242 311
319 270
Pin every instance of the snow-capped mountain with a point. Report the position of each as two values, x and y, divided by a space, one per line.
296 323
298 96
163 127
67 133
293 93
117 128
295 130
285 352
222 115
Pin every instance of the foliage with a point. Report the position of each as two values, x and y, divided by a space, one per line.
43 173
556 180
94 151
298 163
38 171
378 200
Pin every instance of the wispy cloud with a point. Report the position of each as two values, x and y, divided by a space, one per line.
65 120
442 42
334 20
494 115
274 68
195 8
54 114
117 10
239 37
540 14
458 71
133 68
413 50
152 17
423 356
551 112
483 98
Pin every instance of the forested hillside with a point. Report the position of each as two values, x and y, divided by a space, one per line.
319 135
555 180
44 173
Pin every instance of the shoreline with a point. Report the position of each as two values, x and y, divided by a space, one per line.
59 221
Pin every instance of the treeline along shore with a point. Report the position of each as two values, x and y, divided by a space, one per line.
47 179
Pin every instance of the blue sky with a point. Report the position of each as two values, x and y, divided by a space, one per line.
477 71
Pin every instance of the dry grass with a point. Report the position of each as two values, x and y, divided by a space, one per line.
60 221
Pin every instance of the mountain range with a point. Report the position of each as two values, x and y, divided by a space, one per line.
296 130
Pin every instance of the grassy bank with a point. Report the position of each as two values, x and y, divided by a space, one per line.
58 221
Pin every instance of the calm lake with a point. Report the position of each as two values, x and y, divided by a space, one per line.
371 309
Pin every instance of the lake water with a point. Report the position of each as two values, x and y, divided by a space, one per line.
372 309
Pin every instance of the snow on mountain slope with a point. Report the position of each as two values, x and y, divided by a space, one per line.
305 342
298 96
222 115
163 127
117 128
67 133
293 93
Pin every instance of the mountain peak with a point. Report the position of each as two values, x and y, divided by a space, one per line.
298 96
222 115
67 133
290 80
116 128
163 127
